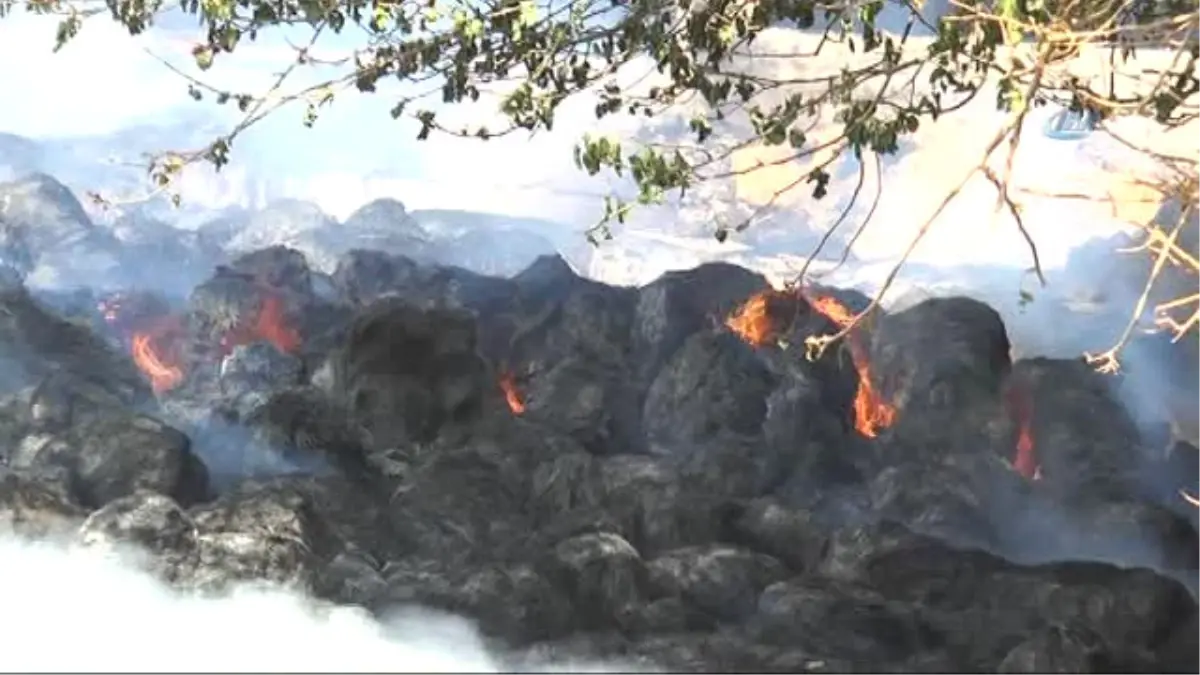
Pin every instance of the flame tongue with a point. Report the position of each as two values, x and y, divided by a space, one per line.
512 395
155 353
155 347
269 325
752 321
1020 410
871 413
754 324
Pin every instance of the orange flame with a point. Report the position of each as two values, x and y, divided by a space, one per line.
152 356
1024 462
270 325
752 321
508 385
871 413
1020 409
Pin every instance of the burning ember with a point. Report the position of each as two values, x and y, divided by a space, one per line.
508 385
154 341
155 354
752 322
1020 410
871 413
270 325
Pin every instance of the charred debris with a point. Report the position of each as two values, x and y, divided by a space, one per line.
655 474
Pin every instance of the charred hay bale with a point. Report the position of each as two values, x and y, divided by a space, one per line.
251 372
151 522
949 435
668 615
464 501
1129 533
587 401
1133 611
734 468
308 432
794 536
513 602
729 650
576 652
407 372
416 580
483 295
346 526
61 405
680 303
713 387
732 430
352 518
1179 652
117 454
726 650
643 498
969 499
221 304
516 603
548 279
570 363
362 277
569 481
591 322
17 424
1059 649
603 575
323 326
122 454
719 580
801 425
940 354
986 605
278 267
841 620
234 308
268 532
36 503
1084 441
351 578
852 299
778 323
40 346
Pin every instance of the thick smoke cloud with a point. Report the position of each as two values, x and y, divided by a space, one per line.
74 609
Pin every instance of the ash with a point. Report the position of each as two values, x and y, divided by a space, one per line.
581 474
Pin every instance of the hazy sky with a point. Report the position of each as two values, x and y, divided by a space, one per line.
105 80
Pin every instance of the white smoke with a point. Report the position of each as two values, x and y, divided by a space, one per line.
68 608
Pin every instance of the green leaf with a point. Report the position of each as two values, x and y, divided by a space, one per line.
204 56
527 14
68 28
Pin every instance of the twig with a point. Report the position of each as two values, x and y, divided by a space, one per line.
816 345
1107 362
